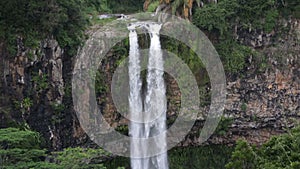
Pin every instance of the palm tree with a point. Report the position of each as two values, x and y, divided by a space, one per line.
181 8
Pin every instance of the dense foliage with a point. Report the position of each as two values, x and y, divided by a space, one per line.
125 6
66 21
182 8
224 19
34 20
289 8
21 149
206 157
226 14
281 152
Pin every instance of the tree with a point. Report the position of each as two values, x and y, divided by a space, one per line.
34 20
179 7
281 152
21 149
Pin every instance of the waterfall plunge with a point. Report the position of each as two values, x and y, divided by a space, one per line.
154 114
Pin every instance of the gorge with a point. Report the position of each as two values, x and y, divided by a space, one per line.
258 43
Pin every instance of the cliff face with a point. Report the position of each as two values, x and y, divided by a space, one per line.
265 100
36 92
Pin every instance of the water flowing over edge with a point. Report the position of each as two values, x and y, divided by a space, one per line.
154 104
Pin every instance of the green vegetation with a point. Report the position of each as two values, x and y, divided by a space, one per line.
40 81
58 110
281 152
34 20
123 129
125 6
217 17
233 55
28 22
100 83
223 126
190 58
222 20
208 157
244 106
183 52
23 105
289 8
78 158
22 149
223 16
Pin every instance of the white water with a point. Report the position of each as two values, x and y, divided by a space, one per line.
135 101
154 113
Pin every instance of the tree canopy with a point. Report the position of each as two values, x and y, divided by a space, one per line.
33 20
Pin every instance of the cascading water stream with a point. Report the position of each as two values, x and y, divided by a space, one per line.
155 101
135 102
154 114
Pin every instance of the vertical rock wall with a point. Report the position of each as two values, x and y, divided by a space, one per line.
35 87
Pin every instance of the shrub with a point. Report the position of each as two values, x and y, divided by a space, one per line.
281 152
19 147
80 158
233 55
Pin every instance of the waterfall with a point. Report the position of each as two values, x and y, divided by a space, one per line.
155 102
154 113
135 102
